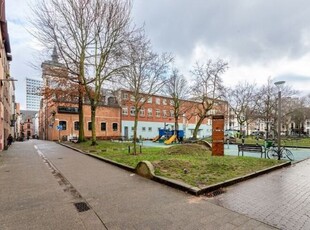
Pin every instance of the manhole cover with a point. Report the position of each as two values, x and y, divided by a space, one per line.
81 206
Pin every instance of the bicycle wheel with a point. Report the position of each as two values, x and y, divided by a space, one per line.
272 154
288 154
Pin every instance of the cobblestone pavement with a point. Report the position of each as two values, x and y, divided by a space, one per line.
280 198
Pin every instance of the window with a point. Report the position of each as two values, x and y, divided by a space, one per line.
149 112
132 98
114 126
125 111
103 126
164 113
125 96
150 129
171 102
63 124
143 129
111 101
76 125
149 100
157 113
89 126
132 111
142 112
164 101
157 101
171 113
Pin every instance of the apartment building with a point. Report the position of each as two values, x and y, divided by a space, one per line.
28 124
33 94
7 88
158 113
59 114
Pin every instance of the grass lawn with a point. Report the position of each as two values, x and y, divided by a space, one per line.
190 163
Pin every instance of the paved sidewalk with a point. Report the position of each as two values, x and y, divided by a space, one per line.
280 198
117 199
30 197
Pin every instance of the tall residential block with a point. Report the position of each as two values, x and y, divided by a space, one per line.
33 94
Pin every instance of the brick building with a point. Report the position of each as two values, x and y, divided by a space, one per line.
7 88
158 113
27 124
59 114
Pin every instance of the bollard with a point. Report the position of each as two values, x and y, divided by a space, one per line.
129 149
140 149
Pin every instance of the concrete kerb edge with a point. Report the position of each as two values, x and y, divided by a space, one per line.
183 186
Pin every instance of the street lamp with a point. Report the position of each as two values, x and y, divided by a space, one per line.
279 85
7 79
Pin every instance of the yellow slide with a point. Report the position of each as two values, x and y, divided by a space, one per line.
171 139
156 138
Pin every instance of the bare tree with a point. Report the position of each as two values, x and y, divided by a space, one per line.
89 37
242 100
207 88
299 113
177 88
266 99
144 76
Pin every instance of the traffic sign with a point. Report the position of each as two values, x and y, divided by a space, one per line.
59 127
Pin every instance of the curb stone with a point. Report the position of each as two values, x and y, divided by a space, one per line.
183 186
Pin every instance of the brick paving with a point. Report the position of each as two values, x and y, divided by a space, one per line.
280 198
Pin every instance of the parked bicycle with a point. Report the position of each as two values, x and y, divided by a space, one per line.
272 152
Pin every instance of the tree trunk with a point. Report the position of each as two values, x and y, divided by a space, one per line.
135 126
93 125
176 125
195 133
81 118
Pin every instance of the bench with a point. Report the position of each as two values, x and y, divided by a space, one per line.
251 148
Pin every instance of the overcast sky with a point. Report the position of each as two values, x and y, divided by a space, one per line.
258 38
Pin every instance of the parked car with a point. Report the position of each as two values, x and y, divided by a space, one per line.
229 138
259 134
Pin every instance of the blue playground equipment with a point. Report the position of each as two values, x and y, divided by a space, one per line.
169 135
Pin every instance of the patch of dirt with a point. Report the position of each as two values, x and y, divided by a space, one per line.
192 149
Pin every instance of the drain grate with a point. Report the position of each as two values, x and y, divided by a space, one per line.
215 193
81 206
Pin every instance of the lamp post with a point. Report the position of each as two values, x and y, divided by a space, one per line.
279 86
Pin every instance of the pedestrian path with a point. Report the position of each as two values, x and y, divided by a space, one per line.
121 200
30 197
280 198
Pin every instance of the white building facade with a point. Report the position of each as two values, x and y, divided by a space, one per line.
33 94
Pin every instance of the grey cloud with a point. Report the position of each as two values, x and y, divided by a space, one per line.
244 30
293 78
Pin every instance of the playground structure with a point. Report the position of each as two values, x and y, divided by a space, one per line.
168 136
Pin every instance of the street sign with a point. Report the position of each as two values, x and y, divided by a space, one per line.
59 127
